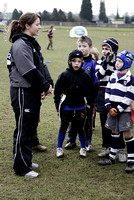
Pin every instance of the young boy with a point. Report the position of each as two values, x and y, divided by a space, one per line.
104 68
71 89
84 44
118 98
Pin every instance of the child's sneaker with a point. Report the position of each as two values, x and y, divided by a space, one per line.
83 152
108 161
70 145
89 148
59 152
32 174
104 153
130 167
122 156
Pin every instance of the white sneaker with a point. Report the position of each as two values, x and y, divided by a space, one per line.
32 174
83 152
59 152
34 165
104 153
89 148
122 156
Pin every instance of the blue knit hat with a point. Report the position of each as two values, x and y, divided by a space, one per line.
127 57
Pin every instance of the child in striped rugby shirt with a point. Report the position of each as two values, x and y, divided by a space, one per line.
118 98
104 68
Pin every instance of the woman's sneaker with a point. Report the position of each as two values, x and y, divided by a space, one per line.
83 152
32 174
59 152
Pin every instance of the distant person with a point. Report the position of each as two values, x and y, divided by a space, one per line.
72 88
84 44
28 87
50 37
104 69
118 98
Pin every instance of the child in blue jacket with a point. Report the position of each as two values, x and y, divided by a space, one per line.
84 44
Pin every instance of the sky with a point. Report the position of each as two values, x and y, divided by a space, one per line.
68 5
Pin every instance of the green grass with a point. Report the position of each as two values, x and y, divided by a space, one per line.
70 178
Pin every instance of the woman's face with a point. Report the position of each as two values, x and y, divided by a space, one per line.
33 30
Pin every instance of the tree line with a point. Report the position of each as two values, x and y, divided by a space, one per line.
86 14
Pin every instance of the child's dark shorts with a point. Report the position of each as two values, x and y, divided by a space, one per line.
122 122
70 115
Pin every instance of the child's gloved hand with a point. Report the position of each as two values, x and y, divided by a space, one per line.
113 112
109 56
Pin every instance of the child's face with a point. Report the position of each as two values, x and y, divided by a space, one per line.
93 56
84 48
76 63
105 49
119 64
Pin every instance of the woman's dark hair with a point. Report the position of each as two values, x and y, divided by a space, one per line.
17 26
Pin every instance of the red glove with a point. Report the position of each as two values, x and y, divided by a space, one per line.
113 112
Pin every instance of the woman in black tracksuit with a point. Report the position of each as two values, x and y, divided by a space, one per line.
28 86
73 86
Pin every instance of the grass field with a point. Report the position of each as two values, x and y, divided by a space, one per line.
70 178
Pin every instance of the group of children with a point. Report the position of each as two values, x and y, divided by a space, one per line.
107 84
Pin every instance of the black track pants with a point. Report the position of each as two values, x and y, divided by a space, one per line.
26 106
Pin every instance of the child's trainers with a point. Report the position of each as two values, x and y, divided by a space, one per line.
70 145
122 156
32 174
108 161
83 152
130 167
59 152
104 153
89 148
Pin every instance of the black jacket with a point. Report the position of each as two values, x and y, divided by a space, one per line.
27 68
75 85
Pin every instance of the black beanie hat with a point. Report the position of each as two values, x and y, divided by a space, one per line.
75 54
112 43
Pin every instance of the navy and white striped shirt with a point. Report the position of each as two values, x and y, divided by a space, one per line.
120 92
103 71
